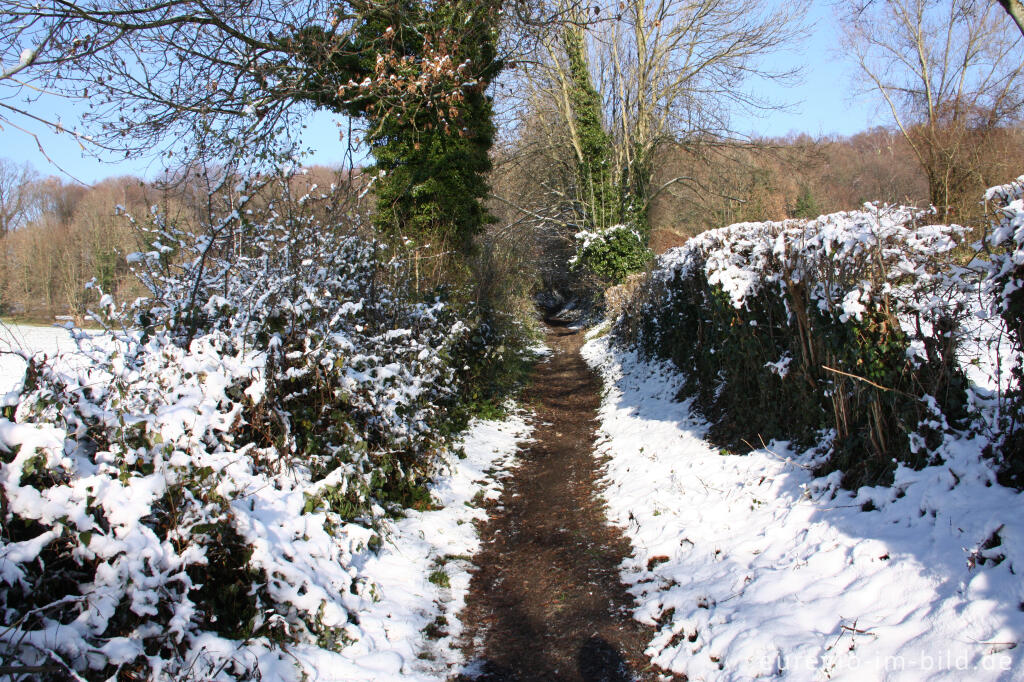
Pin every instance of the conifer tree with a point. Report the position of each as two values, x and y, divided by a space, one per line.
806 204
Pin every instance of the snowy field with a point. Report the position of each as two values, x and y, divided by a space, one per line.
35 339
753 569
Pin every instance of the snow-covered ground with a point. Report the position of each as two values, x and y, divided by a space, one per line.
409 634
416 583
753 569
35 339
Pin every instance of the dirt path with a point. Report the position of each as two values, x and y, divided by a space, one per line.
546 602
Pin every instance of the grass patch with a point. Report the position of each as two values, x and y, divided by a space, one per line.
440 578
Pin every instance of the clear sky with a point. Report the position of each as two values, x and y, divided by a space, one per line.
824 100
819 104
69 160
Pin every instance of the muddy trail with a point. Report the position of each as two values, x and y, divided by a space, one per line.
545 602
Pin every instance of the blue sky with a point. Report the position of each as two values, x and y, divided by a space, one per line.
819 104
825 98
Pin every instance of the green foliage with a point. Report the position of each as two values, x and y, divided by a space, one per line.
612 254
1006 273
1011 471
599 195
604 202
788 363
495 358
440 578
727 355
431 152
225 584
311 367
806 204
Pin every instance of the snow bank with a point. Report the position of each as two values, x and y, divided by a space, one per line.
751 568
408 630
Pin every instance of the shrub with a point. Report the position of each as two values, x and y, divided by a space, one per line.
612 253
212 473
847 324
1007 277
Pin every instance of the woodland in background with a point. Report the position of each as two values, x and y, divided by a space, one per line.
59 235
800 177
767 179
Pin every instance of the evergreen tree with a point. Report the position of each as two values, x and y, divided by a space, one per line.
806 204
431 153
614 243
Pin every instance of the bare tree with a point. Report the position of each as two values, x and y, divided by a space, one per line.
17 195
1016 11
668 72
675 70
950 72
160 74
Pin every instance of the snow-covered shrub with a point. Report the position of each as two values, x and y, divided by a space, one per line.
1007 277
611 253
848 323
196 497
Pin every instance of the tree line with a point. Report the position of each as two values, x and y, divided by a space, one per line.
65 243
59 235
597 114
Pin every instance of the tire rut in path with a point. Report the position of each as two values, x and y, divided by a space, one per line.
545 602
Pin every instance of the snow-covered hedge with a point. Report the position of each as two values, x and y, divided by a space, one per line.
847 325
199 493
757 567
1007 276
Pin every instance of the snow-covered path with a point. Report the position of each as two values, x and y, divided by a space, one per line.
546 602
753 569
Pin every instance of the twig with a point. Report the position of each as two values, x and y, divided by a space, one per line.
853 628
764 446
854 376
15 670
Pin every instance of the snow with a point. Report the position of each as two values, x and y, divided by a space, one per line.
32 339
390 643
387 600
744 259
602 235
753 569
250 453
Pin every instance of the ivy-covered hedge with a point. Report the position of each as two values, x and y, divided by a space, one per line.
191 496
841 330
